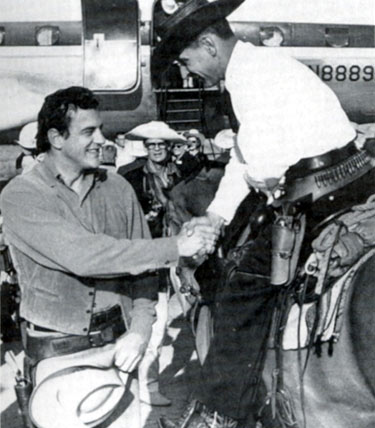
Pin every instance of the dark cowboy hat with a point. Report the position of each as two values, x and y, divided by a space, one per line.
183 26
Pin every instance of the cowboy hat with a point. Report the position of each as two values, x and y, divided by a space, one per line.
27 137
194 133
77 397
183 26
154 130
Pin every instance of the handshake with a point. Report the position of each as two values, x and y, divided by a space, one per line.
198 237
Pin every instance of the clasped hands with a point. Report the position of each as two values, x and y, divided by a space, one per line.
199 236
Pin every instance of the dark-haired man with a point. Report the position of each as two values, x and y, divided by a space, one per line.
285 114
87 270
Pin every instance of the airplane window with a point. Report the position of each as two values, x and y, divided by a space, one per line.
271 36
47 35
337 37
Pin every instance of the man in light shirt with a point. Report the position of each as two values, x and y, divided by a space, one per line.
285 114
86 267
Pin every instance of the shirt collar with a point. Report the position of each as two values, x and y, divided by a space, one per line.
53 177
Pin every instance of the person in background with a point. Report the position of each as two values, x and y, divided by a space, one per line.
152 180
27 140
108 157
86 266
178 148
192 160
195 142
127 151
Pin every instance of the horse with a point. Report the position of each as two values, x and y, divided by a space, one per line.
332 388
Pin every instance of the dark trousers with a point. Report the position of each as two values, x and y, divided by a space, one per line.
243 310
242 315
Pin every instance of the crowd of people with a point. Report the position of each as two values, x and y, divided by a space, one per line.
96 240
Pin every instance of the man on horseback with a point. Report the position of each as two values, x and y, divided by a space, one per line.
292 127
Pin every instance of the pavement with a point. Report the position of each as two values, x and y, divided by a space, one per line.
178 375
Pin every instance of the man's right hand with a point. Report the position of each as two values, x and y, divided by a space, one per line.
196 237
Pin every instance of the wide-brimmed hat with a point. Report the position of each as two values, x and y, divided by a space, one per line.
154 129
27 137
183 26
194 133
77 397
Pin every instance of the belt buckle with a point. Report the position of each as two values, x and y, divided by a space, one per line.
101 337
96 339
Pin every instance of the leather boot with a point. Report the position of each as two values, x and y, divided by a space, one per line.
196 415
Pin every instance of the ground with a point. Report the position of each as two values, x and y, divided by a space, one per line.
178 375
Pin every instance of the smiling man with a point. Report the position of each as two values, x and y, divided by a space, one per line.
86 267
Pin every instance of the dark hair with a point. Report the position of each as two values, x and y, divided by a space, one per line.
56 112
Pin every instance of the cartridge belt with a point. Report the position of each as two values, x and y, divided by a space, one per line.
105 328
318 183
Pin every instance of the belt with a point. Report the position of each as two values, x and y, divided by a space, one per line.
314 164
105 328
323 181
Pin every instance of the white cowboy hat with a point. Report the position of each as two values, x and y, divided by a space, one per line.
154 129
225 139
77 397
27 137
194 133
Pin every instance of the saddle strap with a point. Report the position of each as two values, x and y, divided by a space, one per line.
287 237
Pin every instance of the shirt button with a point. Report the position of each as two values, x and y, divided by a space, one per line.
88 311
85 329
91 293
167 262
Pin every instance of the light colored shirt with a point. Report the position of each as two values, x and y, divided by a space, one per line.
285 113
76 254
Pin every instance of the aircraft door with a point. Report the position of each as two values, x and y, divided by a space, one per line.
110 42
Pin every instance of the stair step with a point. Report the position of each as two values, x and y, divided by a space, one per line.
184 100
184 121
186 126
184 110
191 115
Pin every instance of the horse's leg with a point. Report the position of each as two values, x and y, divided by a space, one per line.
362 321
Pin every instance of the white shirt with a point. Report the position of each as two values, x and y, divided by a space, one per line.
285 112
